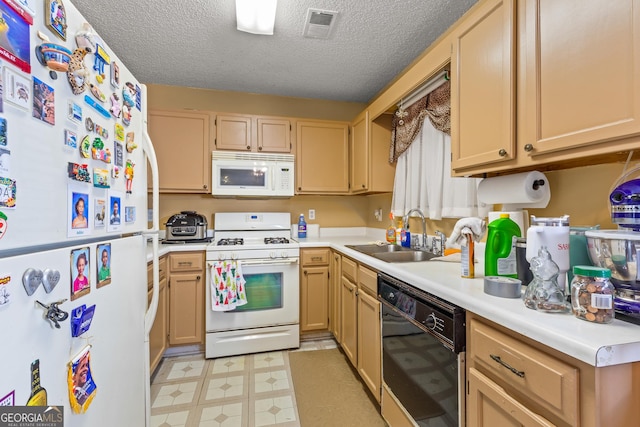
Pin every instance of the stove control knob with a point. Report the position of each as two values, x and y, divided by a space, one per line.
273 255
283 254
234 255
220 256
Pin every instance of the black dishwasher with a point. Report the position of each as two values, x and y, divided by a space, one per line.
423 350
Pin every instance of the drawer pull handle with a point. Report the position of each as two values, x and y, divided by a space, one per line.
316 258
506 365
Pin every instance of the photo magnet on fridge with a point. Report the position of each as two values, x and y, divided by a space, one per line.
80 267
103 255
44 102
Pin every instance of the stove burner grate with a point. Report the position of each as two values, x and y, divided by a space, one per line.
275 240
231 242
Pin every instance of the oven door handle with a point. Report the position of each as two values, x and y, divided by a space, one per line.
282 261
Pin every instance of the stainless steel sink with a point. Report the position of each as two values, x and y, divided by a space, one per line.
393 253
405 256
374 249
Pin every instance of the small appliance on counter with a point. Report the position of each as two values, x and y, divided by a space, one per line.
619 250
187 227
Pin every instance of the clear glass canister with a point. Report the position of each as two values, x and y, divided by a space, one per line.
592 294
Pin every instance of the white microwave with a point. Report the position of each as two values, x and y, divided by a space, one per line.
240 174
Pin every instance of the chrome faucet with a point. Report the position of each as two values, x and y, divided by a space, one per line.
405 224
437 243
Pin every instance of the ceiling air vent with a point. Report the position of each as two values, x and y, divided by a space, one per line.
319 23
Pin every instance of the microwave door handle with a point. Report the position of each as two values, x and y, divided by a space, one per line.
273 178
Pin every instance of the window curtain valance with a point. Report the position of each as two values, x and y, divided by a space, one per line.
407 123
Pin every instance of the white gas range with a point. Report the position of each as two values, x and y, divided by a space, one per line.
268 257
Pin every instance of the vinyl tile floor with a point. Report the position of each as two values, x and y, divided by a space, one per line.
245 391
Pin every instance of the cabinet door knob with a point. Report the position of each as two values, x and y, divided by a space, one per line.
305 272
197 277
363 186
299 188
502 152
528 148
259 148
248 147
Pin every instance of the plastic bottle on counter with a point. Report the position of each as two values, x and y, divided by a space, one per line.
391 231
499 253
399 232
467 258
302 227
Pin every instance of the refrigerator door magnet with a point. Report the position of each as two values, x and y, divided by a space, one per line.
82 388
3 224
54 314
38 393
50 279
31 279
81 318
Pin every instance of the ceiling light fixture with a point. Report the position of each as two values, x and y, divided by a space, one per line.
256 16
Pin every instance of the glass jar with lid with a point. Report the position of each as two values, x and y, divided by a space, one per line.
592 294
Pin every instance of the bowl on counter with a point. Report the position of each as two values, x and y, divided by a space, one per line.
618 251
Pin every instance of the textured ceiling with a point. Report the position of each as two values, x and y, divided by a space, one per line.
195 43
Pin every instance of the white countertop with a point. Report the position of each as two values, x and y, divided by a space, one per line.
596 344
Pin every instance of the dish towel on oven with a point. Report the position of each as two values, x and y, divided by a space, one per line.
227 286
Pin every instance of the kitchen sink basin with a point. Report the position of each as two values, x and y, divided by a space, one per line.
374 249
393 253
404 256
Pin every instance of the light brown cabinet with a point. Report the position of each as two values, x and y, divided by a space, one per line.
513 380
360 317
483 97
572 100
369 154
158 335
314 290
349 316
322 157
186 298
253 133
531 85
369 331
335 284
182 141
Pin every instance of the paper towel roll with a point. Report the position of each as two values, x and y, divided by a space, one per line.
517 191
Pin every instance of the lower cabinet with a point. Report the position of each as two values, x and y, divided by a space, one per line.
158 336
488 405
369 341
513 380
360 317
186 298
335 284
314 290
349 310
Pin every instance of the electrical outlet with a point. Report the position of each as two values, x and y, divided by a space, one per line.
312 214
378 214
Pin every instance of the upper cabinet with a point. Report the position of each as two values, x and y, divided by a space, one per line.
483 87
182 140
582 75
322 157
543 83
369 154
253 133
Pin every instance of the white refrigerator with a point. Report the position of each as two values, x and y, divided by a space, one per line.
74 220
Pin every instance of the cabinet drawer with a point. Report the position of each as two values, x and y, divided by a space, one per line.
187 261
526 371
315 257
368 279
162 271
349 269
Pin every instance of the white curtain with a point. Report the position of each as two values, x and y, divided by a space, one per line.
423 180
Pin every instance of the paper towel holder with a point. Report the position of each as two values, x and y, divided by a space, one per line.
510 203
